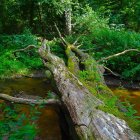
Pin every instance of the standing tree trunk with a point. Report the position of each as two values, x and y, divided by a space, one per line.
68 15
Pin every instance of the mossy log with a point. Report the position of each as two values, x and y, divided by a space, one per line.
90 64
89 122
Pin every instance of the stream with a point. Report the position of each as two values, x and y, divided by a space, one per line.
51 123
133 96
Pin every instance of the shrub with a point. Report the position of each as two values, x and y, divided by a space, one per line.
24 61
102 41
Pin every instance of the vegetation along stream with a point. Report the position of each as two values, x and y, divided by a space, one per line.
49 121
133 96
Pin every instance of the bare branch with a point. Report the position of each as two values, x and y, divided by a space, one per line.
28 101
65 43
27 48
79 46
76 40
116 74
118 54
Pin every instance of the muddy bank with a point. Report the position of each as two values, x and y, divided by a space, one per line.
113 81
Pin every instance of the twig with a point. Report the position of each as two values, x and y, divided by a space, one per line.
116 74
27 48
65 43
118 54
79 46
76 40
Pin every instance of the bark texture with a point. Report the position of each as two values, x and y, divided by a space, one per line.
29 101
89 122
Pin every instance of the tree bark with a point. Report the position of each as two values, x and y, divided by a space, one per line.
68 15
89 122
29 101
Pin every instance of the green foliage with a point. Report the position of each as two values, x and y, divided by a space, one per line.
50 95
83 75
130 111
16 126
23 62
102 41
89 20
88 76
112 42
40 15
124 12
57 48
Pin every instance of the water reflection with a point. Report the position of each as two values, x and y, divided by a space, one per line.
49 122
131 95
28 85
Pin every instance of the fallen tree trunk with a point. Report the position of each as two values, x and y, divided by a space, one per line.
29 101
89 122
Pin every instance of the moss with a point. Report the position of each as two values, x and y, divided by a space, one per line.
48 74
103 93
111 107
71 64
73 61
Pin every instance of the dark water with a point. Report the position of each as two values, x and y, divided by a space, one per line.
28 85
50 121
131 95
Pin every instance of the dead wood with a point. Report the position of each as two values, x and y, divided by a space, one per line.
118 54
29 101
89 122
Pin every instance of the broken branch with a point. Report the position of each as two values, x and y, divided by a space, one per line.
28 101
116 74
27 48
118 54
65 43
